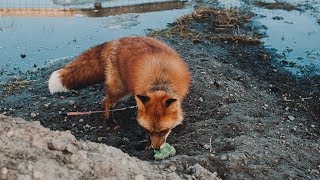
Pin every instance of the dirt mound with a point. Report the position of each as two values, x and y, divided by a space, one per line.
29 151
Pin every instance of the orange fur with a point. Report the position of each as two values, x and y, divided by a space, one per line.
140 66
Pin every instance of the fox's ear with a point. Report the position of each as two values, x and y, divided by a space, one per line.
142 98
170 101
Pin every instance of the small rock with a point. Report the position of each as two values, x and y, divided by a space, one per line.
313 126
97 5
206 146
314 171
71 148
224 157
139 177
24 177
81 120
289 49
30 167
37 175
83 154
23 55
87 126
4 170
277 18
33 114
56 145
125 140
199 172
173 168
47 105
9 134
71 103
263 57
74 158
291 118
294 128
200 99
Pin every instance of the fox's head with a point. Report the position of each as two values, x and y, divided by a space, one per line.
158 114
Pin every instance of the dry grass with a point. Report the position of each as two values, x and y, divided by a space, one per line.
218 25
12 87
276 5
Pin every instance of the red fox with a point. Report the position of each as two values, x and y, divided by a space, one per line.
143 67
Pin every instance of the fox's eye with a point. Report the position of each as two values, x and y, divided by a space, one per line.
170 101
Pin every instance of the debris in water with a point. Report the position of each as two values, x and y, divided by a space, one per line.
23 55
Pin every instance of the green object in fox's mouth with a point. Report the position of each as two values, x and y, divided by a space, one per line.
165 152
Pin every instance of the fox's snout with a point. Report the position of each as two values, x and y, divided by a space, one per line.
157 142
158 139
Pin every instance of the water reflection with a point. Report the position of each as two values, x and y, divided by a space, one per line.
92 12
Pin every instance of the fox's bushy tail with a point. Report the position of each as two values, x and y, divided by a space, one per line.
88 68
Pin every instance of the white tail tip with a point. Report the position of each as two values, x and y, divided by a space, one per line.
55 83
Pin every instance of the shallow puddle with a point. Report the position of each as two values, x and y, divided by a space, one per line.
27 43
294 34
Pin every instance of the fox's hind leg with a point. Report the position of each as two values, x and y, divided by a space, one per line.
114 88
110 101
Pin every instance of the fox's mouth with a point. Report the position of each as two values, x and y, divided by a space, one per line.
157 140
162 146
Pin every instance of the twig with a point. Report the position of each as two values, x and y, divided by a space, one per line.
93 112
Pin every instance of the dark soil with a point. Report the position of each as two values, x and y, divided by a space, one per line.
245 117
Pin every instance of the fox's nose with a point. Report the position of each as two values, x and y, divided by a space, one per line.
157 147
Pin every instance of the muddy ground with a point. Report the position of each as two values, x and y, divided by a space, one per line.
245 117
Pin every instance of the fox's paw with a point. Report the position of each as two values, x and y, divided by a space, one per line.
55 83
106 115
108 104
